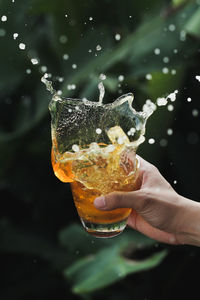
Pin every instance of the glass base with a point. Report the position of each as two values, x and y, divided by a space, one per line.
104 230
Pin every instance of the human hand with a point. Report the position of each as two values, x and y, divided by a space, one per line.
158 211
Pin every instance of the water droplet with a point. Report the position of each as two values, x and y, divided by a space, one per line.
165 70
66 16
192 138
44 69
166 59
34 61
157 51
161 101
2 32
173 72
172 27
4 18
175 51
189 99
163 142
98 47
183 35
197 78
121 78
175 181
148 76
22 46
65 56
63 39
170 107
90 18
169 131
98 131
15 35
74 66
102 76
117 37
195 112
151 141
28 71
75 148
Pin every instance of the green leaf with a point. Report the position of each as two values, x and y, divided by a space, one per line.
108 265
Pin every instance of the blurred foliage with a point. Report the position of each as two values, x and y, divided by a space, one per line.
42 254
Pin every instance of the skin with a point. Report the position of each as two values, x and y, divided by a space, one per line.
158 210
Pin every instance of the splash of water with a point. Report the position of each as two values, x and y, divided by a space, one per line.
48 84
101 92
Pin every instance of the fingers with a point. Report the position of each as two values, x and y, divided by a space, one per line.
114 200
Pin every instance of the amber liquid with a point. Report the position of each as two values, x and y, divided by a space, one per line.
102 180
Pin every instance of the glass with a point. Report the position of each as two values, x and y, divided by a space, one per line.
94 148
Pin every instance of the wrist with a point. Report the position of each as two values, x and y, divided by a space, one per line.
189 227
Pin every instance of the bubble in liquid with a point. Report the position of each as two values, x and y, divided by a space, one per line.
151 141
98 131
121 78
148 76
102 76
117 37
157 51
22 46
2 32
195 112
4 18
65 56
98 48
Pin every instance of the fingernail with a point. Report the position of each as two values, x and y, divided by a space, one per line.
100 202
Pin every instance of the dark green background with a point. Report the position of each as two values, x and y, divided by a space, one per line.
40 234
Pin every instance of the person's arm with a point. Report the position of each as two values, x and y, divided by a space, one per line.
158 211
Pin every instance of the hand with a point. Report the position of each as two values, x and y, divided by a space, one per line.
158 211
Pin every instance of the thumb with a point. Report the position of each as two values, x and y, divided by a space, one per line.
114 200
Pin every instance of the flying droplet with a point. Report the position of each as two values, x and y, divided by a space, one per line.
22 46
151 141
98 47
102 76
4 18
65 56
169 131
15 35
74 66
117 37
98 131
121 78
195 112
34 61
148 76
157 51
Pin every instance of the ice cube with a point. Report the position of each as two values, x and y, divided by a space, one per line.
117 136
